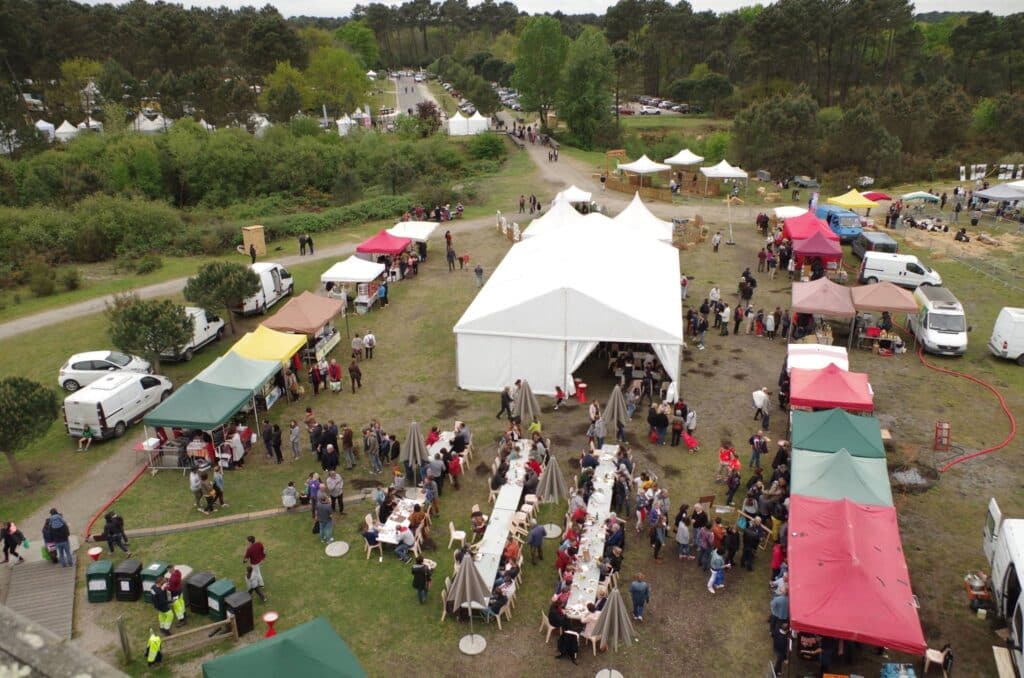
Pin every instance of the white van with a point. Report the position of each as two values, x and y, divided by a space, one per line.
904 270
1008 335
939 324
112 403
1004 548
206 328
275 284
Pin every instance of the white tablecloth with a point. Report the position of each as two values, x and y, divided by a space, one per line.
445 442
585 581
491 545
388 533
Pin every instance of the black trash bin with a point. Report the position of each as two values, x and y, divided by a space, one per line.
195 591
239 606
128 580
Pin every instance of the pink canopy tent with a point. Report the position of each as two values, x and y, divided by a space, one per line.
804 226
818 245
383 243
823 297
830 387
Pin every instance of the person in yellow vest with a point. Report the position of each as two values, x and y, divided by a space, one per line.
162 603
153 654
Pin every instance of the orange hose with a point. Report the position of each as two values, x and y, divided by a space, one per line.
88 528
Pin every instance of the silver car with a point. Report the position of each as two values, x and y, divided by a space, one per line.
82 369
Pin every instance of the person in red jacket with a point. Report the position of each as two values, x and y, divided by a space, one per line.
175 590
254 555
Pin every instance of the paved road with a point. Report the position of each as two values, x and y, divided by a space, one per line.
409 93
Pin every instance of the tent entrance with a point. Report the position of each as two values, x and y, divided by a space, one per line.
623 363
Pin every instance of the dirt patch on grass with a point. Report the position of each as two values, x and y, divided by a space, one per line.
448 408
671 471
411 398
482 470
735 350
913 477
362 483
560 440
739 376
580 429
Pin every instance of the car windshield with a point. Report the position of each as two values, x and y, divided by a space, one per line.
119 358
946 323
850 221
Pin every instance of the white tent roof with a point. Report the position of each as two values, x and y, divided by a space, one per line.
419 231
789 211
46 128
66 131
817 356
1018 184
458 125
573 194
89 123
476 116
644 166
723 170
205 125
371 74
637 218
684 157
353 270
561 213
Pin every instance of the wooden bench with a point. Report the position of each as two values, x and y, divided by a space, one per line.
886 438
1004 662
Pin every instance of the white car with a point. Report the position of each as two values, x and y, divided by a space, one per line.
82 369
650 110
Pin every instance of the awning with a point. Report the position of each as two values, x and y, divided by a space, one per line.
883 296
823 297
830 387
832 430
920 195
840 475
383 243
818 245
848 577
353 270
852 200
816 356
804 226
420 231
644 165
198 405
235 371
305 314
267 344
1001 192
876 196
685 157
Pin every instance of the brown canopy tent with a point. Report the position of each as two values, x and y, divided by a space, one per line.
883 296
312 316
822 297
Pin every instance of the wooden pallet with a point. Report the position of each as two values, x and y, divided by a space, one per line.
45 593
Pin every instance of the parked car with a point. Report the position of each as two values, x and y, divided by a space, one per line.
626 110
82 369
939 325
275 284
870 241
650 110
805 182
111 404
695 108
206 328
681 108
843 222
666 105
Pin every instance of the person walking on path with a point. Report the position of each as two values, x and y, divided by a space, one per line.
450 256
293 438
60 533
479 273
640 592
718 565
421 579
324 518
506 404
255 554
716 240
369 343
355 375
252 253
13 538
357 347
113 532
336 491
309 243
302 245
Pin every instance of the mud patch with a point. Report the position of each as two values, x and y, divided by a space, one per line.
913 477
411 398
362 483
672 471
715 362
448 408
560 440
580 429
650 456
482 470
739 376
574 462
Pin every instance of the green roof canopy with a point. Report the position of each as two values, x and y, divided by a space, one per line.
312 649
831 430
199 405
236 371
840 475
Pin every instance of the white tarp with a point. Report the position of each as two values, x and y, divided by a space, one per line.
638 219
789 212
644 165
574 195
420 231
1001 192
66 131
685 157
540 314
353 270
458 125
477 123
817 356
46 129
723 170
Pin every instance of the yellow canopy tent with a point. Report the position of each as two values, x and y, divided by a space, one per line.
852 200
267 344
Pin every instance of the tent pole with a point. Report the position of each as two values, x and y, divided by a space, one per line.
255 411
853 329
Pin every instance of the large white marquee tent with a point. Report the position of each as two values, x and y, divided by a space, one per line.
638 219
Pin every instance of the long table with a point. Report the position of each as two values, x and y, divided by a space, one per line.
388 533
443 443
499 524
587 576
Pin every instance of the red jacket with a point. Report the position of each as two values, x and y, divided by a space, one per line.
255 553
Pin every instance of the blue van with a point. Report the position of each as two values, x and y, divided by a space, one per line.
843 222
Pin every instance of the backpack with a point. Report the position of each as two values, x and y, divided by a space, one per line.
56 521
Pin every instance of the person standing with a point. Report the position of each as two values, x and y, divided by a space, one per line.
293 438
252 253
309 243
162 603
175 589
724 316
659 532
769 326
684 284
302 245
716 240
357 347
60 533
336 491
702 328
255 554
194 486
382 294
369 343
780 645
218 484
535 540
640 592
372 447
314 378
113 532
267 433
522 204
324 517
355 375
506 404
751 540
479 273
718 565
421 579
275 440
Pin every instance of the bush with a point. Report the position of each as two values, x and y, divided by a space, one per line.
487 146
70 279
40 279
148 264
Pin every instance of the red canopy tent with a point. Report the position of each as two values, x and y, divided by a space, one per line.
804 226
848 576
817 245
876 196
830 387
383 243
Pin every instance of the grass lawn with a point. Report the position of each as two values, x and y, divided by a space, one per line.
445 100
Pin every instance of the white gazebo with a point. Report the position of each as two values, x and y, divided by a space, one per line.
371 75
726 172
90 125
46 129
561 212
644 166
638 219
477 123
352 270
66 132
458 125
783 212
574 195
418 231
205 125
344 124
685 158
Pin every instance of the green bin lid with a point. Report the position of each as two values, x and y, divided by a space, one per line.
221 587
100 567
155 569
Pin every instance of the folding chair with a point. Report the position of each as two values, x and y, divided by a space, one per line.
369 548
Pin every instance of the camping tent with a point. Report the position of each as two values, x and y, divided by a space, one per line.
804 226
644 165
1001 192
46 129
198 405
353 270
561 214
638 219
313 648
817 245
832 430
417 231
823 297
685 157
789 211
66 131
268 344
852 200
383 243
541 327
840 475
235 371
848 577
305 314
883 296
458 125
830 387
816 356
477 123
573 195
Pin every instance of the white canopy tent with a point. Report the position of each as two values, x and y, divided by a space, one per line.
477 123
789 211
90 124
66 131
205 125
353 270
344 124
573 195
638 219
685 157
146 126
723 170
1001 192
458 125
816 357
541 326
561 213
419 231
644 165
46 129
372 75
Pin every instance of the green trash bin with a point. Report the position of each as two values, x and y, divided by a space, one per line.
152 572
216 595
99 579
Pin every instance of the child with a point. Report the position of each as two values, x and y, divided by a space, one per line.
290 496
218 484
559 396
254 583
717 578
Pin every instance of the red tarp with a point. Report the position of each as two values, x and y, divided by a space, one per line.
876 196
383 243
830 387
818 245
806 225
848 576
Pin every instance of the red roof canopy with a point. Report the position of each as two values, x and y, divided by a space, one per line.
876 196
830 387
383 243
806 225
818 245
848 576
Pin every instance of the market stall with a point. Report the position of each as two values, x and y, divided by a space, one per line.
639 220
417 231
816 356
840 475
573 195
830 387
355 271
818 246
885 298
258 377
642 167
852 200
190 423
804 226
270 345
312 316
815 300
832 430
383 243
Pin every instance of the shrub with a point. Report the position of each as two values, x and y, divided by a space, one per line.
40 279
70 279
148 264
487 146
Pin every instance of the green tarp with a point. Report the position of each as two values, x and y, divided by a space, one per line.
831 430
840 475
198 405
235 371
312 649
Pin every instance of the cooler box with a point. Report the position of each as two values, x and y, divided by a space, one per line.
195 591
216 593
99 578
239 606
152 572
128 580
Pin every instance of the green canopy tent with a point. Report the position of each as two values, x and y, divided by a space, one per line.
312 649
840 475
198 405
236 371
831 430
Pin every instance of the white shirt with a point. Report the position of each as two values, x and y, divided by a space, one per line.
369 341
714 294
725 314
716 238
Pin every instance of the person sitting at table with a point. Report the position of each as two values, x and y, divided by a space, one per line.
498 600
432 437
565 558
616 539
885 322
406 540
575 500
508 574
478 524
388 505
498 479
510 554
461 440
417 517
370 534
534 427
615 559
588 460
530 483
534 466
556 614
